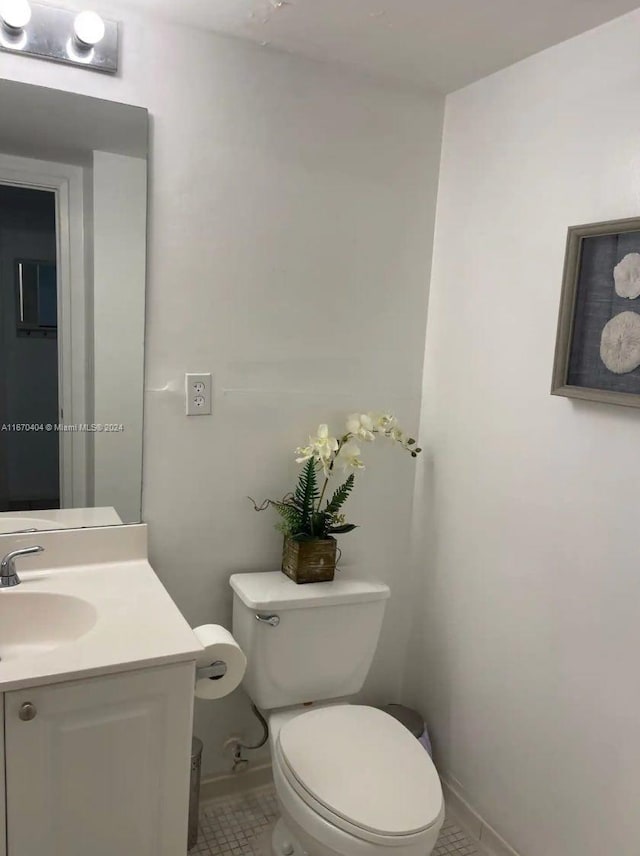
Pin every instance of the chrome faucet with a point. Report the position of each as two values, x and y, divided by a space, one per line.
8 574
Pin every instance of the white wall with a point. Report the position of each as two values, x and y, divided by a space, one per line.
291 218
119 272
528 621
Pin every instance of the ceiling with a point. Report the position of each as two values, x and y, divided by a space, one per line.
434 44
39 122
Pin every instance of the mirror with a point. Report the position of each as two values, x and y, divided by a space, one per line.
73 205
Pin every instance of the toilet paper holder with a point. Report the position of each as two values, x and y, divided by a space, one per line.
214 671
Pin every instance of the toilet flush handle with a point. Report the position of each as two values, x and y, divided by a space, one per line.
271 620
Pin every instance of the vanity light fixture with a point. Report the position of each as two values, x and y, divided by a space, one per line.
47 32
89 29
15 15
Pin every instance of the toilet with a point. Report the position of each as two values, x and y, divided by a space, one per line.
350 779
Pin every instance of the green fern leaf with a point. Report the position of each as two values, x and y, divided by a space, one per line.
306 493
291 518
341 530
340 496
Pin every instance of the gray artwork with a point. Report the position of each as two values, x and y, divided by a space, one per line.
598 343
605 348
620 343
626 276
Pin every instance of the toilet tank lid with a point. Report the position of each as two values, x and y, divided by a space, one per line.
273 590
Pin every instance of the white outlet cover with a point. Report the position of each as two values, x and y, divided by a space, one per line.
197 390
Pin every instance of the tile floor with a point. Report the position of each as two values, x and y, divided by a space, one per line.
238 826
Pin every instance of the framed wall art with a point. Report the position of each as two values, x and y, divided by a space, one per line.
598 343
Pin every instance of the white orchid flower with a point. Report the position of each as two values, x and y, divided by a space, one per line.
321 447
361 425
353 423
304 453
348 457
385 422
325 444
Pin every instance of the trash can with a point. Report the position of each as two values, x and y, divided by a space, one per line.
194 792
412 721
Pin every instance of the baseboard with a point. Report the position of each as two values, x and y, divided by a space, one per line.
461 812
215 787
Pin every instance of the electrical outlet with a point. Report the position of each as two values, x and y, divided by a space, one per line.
198 394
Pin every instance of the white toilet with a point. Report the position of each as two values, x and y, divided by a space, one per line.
350 779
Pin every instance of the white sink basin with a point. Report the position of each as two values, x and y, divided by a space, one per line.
15 524
33 623
89 605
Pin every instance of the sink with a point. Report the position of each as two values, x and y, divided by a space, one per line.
33 623
16 523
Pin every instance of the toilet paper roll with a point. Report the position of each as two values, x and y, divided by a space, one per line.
219 647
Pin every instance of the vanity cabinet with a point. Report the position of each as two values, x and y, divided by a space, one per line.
100 766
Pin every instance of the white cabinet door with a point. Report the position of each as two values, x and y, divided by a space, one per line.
103 767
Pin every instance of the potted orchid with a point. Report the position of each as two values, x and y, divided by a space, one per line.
311 516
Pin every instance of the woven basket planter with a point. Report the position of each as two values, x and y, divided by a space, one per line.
312 561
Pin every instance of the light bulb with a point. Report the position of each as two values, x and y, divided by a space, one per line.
89 29
15 14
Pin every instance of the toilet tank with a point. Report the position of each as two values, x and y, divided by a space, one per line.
319 643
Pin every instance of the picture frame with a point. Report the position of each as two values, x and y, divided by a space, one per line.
598 334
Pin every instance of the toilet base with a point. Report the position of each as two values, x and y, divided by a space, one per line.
283 843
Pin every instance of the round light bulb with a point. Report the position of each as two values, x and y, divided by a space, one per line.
89 29
15 14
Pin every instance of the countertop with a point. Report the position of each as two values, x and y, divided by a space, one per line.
138 625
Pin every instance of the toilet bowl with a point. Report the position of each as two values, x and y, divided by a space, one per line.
350 779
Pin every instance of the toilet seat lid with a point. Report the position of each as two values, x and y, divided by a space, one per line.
364 767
